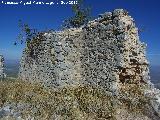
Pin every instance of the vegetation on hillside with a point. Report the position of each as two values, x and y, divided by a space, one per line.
68 103
132 95
81 102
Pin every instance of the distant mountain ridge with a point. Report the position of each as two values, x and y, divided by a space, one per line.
11 67
155 75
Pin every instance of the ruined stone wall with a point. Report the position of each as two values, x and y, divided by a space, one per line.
104 53
2 74
54 61
112 51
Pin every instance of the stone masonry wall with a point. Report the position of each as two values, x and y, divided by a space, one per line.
103 53
2 74
112 51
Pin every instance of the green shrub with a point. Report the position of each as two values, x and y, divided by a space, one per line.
82 15
68 103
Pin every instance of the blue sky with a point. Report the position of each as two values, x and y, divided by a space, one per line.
145 12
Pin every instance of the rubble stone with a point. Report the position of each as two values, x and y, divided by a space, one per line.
2 74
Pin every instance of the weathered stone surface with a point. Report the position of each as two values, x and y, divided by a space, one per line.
2 74
105 51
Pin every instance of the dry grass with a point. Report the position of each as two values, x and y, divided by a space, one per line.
81 102
132 96
70 103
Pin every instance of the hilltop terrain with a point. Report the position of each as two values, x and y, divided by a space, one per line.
98 71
